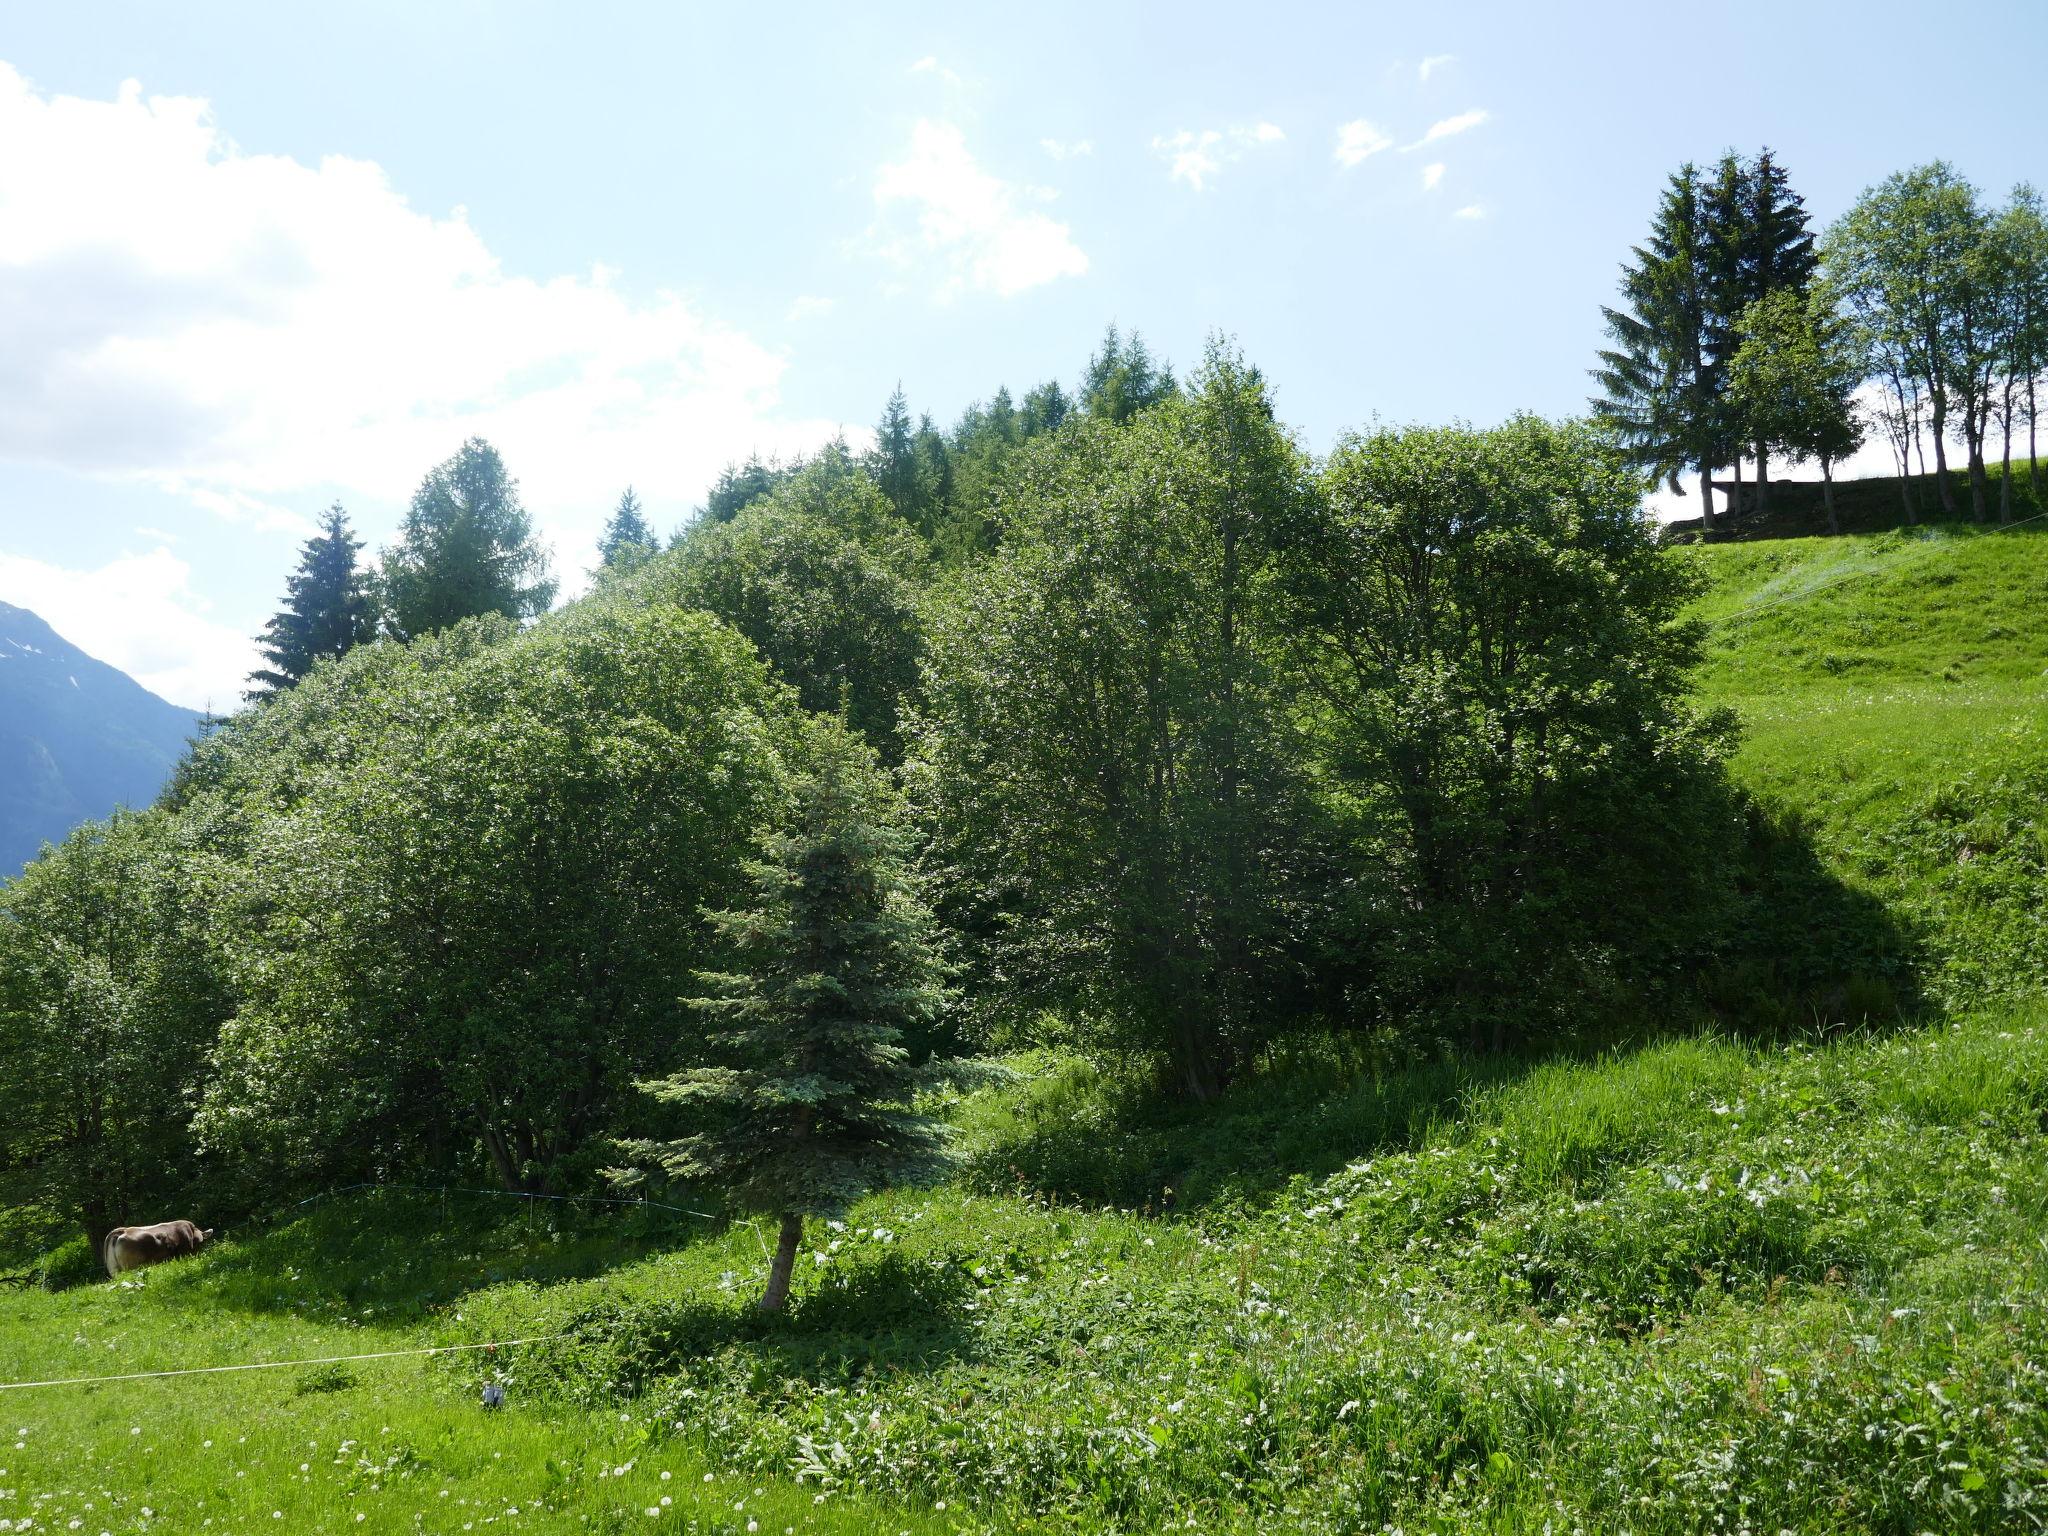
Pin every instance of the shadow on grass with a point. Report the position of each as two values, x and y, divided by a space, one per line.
887 1314
1791 951
392 1257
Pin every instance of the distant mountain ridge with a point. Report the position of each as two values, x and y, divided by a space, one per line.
77 738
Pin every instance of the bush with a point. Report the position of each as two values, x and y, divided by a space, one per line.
74 1261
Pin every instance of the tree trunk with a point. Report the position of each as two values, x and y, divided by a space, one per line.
1763 479
777 1293
1827 492
2033 458
1735 496
1948 494
1706 503
2005 463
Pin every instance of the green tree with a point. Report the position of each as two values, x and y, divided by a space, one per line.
327 611
1662 382
1110 762
823 578
1793 380
466 547
738 486
1122 378
109 999
628 540
2020 236
458 926
800 1089
1531 814
1902 257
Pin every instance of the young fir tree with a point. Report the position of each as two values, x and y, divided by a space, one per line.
803 1103
327 609
628 539
466 547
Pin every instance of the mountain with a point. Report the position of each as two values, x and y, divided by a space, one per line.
77 738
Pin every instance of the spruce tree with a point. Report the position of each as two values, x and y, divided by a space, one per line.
327 609
802 1098
627 539
1122 379
1662 381
466 547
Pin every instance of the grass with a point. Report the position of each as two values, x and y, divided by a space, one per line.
1893 694
1702 1283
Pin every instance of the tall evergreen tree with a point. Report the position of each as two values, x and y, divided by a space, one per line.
1765 245
466 547
627 539
894 461
327 609
738 486
804 1102
1662 380
1122 379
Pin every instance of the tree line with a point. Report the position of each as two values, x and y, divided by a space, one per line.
1740 333
1115 721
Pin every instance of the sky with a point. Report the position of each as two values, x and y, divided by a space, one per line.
255 259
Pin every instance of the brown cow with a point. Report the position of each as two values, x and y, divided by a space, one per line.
137 1247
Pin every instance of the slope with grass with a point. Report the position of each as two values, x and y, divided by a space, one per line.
1893 695
1788 1284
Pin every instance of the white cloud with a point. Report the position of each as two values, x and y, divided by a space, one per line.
1433 63
1446 127
1196 156
1470 211
971 224
139 613
249 332
1432 174
930 65
1067 150
1360 139
807 306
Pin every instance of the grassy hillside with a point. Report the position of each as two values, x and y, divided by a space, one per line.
1893 694
1700 1284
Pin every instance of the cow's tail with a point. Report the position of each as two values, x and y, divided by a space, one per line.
107 1253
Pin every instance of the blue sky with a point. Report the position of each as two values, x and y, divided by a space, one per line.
254 258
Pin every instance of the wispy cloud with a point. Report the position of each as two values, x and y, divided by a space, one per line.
1447 127
968 225
1432 175
1470 211
930 65
807 306
1072 149
1433 63
1359 140
1195 157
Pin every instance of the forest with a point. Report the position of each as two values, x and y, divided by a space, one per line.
1109 720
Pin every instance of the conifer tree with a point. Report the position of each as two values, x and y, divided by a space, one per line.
803 1099
466 547
1122 378
739 486
627 539
327 609
1662 381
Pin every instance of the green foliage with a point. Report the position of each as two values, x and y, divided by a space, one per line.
109 999
1123 379
824 580
1109 761
328 609
1793 379
628 540
1534 821
75 1261
465 548
800 1100
470 920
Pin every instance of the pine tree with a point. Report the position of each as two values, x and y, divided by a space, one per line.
628 539
1763 245
893 463
327 609
1662 382
466 547
738 486
803 1105
1122 378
